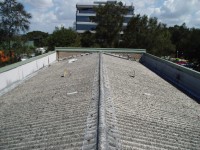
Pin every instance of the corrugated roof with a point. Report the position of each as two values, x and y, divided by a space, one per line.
150 112
59 109
49 111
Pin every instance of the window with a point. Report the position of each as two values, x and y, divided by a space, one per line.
127 19
85 27
83 19
86 10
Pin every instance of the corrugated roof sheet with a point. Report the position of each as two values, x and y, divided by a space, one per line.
49 111
150 112
58 109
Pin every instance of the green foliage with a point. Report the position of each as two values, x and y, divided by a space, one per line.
147 33
19 46
87 39
193 47
2 39
187 42
109 18
13 19
135 32
162 45
39 38
63 37
77 42
180 37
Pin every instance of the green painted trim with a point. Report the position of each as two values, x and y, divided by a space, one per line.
117 50
15 65
186 70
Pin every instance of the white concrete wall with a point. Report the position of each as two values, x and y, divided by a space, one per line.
185 78
14 75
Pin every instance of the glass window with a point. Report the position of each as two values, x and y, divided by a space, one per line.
130 11
86 10
83 18
85 27
127 19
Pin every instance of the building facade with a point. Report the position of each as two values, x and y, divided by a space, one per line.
85 11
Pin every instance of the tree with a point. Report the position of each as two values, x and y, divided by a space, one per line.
87 39
38 37
13 19
2 39
63 37
162 45
135 32
109 19
192 52
180 38
187 43
148 33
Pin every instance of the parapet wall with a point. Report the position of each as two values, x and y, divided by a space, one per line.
130 53
184 78
19 71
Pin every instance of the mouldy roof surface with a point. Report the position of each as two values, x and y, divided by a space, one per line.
57 109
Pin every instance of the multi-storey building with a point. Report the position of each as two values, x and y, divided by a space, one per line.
85 11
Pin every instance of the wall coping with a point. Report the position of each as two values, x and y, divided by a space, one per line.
117 50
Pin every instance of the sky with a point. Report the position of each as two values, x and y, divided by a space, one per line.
48 14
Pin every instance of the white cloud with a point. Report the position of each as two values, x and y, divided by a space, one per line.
143 7
37 4
44 18
194 20
64 9
178 8
177 11
50 13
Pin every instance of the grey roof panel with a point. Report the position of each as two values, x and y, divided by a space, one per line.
150 112
48 110
58 109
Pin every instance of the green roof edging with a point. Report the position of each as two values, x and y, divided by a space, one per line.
15 65
78 49
189 71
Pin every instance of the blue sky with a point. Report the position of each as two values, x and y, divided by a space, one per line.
47 14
